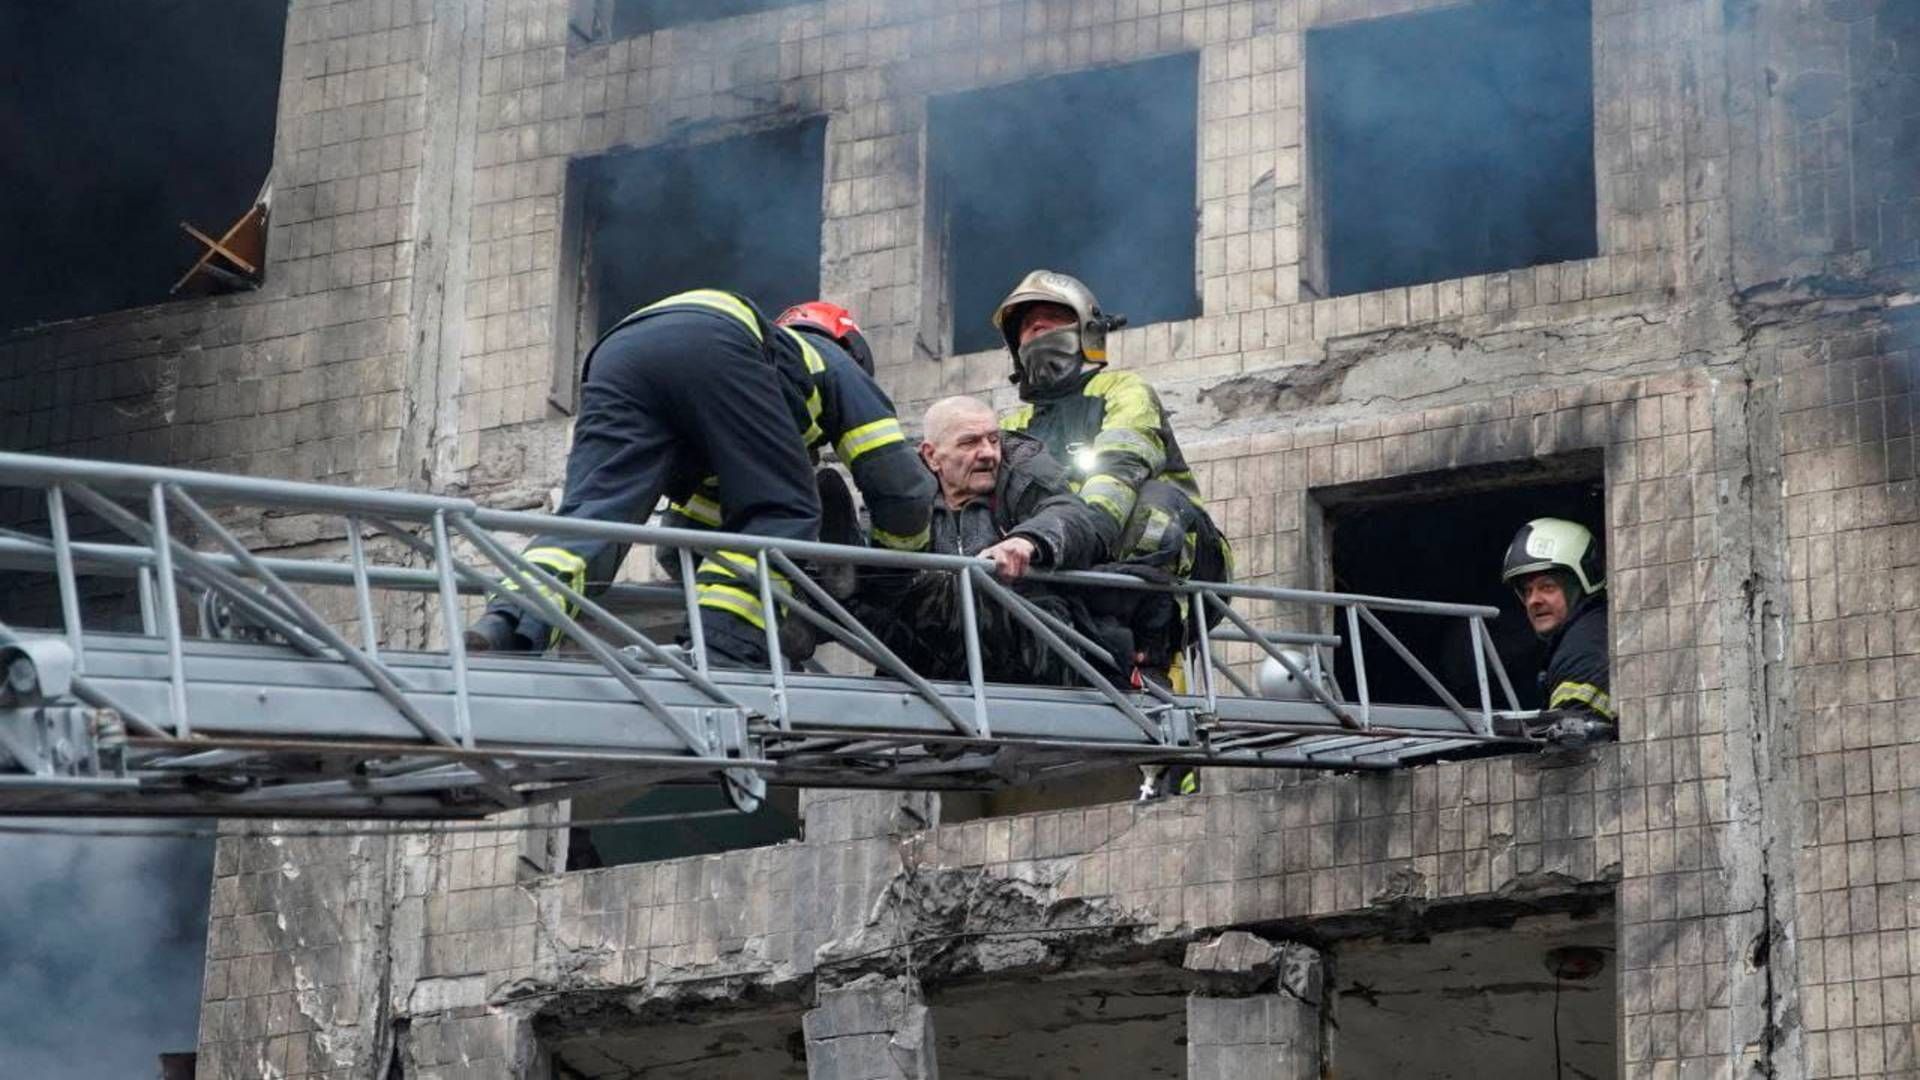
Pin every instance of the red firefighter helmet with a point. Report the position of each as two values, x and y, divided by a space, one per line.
834 321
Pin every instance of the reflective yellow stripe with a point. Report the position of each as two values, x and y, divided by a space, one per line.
1579 693
700 508
1153 532
919 541
564 564
815 363
570 568
734 601
742 566
815 406
714 299
1110 495
1129 441
882 432
1018 419
1190 783
1130 402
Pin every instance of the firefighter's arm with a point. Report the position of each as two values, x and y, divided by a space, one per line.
1072 534
1577 675
1128 450
866 434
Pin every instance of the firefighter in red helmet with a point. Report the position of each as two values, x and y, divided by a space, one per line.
700 398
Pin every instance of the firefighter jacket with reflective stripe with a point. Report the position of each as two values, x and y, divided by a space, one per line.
1109 429
1575 675
1032 497
833 402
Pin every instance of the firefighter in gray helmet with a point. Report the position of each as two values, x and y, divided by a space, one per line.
1554 567
1110 431
1106 427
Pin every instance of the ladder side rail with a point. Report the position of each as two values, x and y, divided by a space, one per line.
1499 665
143 585
479 583
1480 674
39 470
362 591
1018 607
1359 664
1406 655
1203 653
63 571
167 552
383 679
976 669
696 633
886 657
528 594
770 625
170 613
454 629
1318 692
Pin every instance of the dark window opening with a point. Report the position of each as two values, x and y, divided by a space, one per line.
122 119
1443 538
1449 143
599 20
777 821
740 214
1131 1025
1537 997
1093 174
755 1042
1071 790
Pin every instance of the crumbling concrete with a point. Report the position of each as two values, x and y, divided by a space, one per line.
873 1028
1264 1031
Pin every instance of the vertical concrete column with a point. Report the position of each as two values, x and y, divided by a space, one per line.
874 1028
1257 1014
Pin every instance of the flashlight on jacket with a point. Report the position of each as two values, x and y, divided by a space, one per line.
1085 457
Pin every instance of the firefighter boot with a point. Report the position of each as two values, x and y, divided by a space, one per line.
497 631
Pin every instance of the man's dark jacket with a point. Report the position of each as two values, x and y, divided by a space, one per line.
1575 675
1032 498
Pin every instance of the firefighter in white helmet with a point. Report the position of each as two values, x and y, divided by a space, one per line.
1555 568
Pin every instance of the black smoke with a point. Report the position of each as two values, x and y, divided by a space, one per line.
102 945
1092 173
120 119
1453 142
741 213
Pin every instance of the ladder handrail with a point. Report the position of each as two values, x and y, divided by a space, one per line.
787 729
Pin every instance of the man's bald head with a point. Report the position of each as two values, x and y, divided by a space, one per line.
960 443
944 414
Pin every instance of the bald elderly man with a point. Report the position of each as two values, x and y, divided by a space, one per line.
1002 497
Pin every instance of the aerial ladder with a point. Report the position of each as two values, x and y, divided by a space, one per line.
287 716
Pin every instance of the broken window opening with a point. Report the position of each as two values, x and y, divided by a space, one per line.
1071 790
1131 1023
1464 521
1093 173
1449 143
762 1045
1534 998
740 213
776 822
143 117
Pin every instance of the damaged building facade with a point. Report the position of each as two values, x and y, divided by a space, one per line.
1713 341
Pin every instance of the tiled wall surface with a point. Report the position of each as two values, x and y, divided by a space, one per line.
1755 823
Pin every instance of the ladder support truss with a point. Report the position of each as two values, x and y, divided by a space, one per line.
280 714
